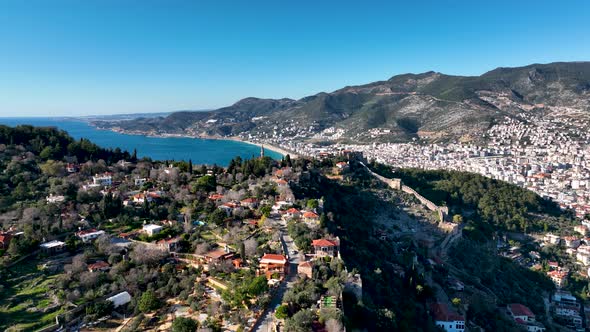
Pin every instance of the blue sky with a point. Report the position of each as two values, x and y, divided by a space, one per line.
104 57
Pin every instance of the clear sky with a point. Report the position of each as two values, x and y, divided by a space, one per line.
103 57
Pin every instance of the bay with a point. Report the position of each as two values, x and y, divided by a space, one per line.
200 151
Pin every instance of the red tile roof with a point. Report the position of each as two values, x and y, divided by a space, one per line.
98 265
323 243
310 214
86 231
441 312
292 210
274 257
170 240
305 264
217 253
518 309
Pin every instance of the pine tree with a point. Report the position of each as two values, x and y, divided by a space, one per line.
243 251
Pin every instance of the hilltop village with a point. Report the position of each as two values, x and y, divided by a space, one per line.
148 245
96 240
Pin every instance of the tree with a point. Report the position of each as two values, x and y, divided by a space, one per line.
250 247
258 286
143 254
456 301
78 264
300 322
458 219
53 168
312 204
202 248
217 217
205 183
282 312
100 309
148 301
184 324
242 251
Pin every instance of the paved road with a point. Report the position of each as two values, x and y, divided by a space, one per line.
265 324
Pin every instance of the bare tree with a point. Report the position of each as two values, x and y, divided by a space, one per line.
104 244
143 254
78 265
202 248
250 247
88 279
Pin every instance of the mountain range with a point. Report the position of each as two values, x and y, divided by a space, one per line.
430 106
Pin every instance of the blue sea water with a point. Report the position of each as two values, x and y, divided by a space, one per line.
200 151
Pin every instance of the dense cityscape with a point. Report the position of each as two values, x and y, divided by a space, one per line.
551 158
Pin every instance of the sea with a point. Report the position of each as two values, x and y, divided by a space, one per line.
200 151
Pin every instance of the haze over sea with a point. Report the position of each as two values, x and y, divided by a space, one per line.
200 151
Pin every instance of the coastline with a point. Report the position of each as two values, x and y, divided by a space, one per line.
267 146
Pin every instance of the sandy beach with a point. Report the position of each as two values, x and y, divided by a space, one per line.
266 145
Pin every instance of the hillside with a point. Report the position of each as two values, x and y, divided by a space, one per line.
430 106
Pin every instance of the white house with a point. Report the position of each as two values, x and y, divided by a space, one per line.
52 247
89 234
120 299
102 180
55 199
520 311
581 229
152 229
292 213
552 238
450 321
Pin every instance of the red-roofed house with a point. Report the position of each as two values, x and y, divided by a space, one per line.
250 202
311 217
169 244
89 234
98 266
217 255
305 268
449 320
216 198
292 213
524 316
271 264
558 278
325 247
281 182
520 311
